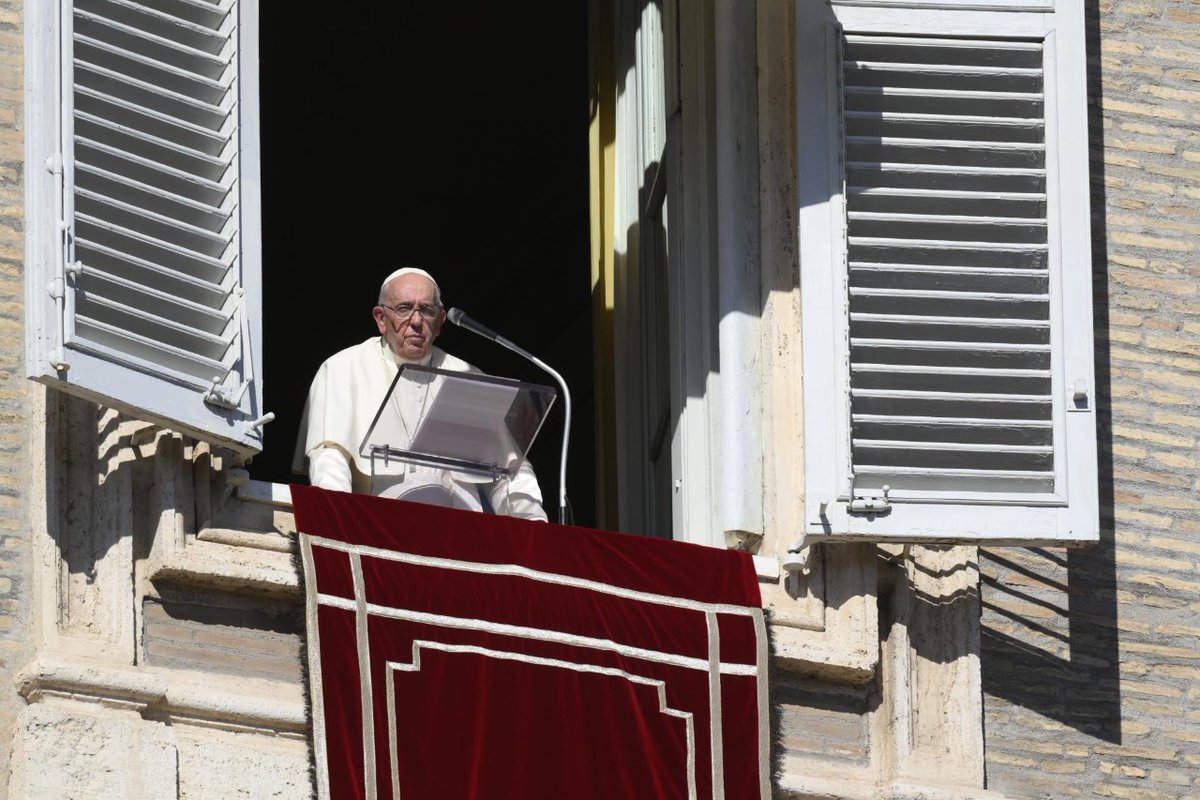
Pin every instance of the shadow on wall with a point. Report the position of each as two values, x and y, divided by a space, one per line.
1049 626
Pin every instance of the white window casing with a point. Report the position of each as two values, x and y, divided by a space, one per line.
946 272
144 244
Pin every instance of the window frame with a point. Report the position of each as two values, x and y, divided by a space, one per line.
1071 513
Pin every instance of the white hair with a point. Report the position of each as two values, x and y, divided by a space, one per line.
437 290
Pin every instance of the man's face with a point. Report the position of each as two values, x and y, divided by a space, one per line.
409 335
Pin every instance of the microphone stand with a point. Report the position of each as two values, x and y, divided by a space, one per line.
460 319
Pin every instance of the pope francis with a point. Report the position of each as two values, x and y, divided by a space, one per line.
350 385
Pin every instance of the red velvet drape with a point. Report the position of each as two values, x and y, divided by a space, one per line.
503 658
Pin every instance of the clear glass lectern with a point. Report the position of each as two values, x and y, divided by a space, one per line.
452 438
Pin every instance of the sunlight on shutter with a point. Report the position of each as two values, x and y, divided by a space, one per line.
945 169
155 186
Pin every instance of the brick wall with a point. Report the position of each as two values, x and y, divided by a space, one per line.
15 595
1091 658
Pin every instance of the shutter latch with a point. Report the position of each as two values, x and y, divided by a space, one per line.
870 505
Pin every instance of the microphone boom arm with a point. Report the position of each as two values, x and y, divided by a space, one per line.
456 316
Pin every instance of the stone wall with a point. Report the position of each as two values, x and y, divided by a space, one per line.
1091 658
15 390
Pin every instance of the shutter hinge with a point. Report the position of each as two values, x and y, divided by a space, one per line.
870 505
226 397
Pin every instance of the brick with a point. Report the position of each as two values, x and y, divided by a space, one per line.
1128 301
1140 356
1145 434
1125 337
1112 105
1167 501
1124 770
1139 560
1137 126
1126 473
1179 630
1169 92
1164 650
1157 601
1176 544
1153 283
1000 757
1127 320
1130 793
1171 398
1174 343
1118 46
1141 145
1045 748
1128 450
1173 379
1127 537
1183 735
1169 325
1153 689
1130 626
1169 171
1185 16
1175 460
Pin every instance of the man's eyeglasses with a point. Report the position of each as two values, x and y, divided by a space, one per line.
405 310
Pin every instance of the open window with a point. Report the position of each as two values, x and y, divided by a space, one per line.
946 272
144 244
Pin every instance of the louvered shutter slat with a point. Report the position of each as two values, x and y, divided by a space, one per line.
153 276
138 168
135 192
155 135
170 253
947 251
160 48
147 350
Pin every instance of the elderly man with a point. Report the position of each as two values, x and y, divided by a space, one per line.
350 385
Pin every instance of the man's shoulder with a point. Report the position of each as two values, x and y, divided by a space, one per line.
443 360
352 354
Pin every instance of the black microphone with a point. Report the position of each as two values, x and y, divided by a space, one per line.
460 319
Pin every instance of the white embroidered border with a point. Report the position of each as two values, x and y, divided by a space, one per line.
415 666
364 676
477 567
764 709
714 707
315 681
541 634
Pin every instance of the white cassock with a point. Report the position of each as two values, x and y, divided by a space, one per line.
342 402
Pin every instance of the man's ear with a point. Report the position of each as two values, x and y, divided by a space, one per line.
380 321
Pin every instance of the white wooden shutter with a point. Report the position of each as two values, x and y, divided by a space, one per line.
154 276
939 171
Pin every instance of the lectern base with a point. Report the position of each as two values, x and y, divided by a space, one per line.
426 488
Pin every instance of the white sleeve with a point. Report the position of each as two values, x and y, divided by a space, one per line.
328 468
519 497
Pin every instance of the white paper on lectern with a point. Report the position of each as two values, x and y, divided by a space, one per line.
467 419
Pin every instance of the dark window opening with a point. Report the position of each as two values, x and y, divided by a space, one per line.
420 134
